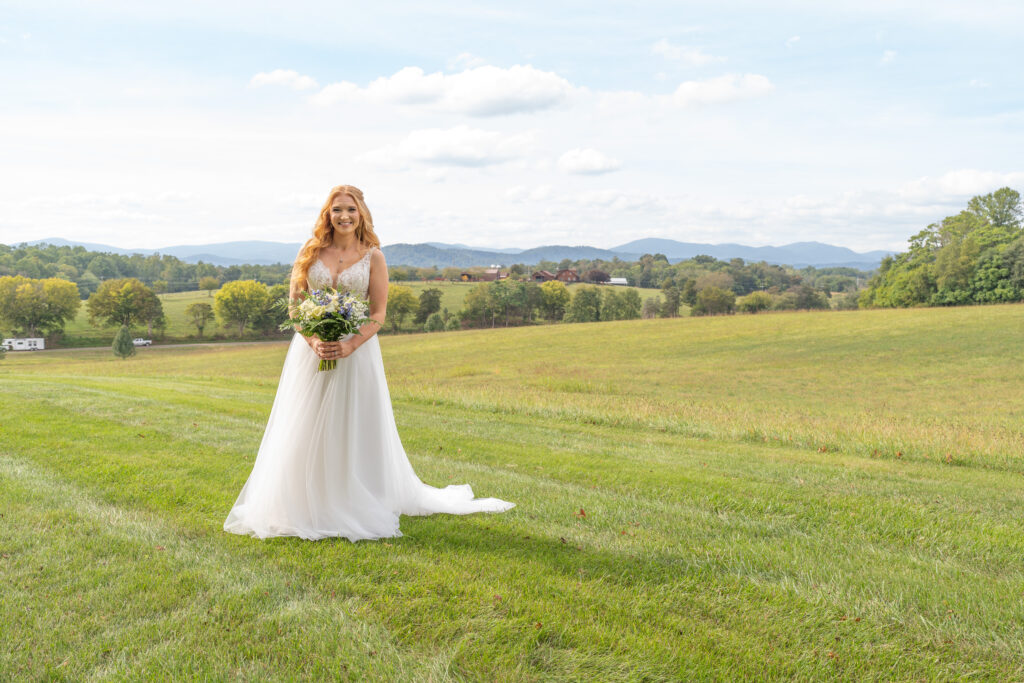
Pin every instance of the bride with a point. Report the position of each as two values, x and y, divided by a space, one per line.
331 462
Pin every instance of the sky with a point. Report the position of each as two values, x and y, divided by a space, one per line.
499 124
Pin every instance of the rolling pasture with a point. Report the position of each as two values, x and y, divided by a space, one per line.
789 496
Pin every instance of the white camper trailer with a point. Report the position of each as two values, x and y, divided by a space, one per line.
25 344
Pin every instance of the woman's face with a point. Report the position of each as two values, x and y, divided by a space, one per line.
344 214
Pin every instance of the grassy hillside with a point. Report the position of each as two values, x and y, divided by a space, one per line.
703 498
80 332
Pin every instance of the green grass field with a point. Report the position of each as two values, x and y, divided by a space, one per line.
820 496
80 332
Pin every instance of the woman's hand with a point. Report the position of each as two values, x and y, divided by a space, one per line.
332 350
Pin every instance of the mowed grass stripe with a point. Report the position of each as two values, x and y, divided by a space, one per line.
626 447
101 448
95 591
616 584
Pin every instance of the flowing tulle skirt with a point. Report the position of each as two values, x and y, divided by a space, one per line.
331 462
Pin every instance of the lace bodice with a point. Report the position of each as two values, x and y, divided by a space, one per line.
355 278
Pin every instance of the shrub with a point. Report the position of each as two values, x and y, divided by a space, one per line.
714 301
435 323
754 302
123 346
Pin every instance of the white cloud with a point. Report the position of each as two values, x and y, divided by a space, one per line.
728 88
630 200
284 77
587 162
465 61
458 146
479 91
957 185
978 83
887 57
521 193
692 56
792 41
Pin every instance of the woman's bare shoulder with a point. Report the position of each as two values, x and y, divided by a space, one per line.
377 257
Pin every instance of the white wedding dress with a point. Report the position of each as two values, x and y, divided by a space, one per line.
331 462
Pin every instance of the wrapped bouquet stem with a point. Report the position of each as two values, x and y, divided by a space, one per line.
328 314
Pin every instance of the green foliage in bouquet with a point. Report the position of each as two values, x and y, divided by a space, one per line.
328 314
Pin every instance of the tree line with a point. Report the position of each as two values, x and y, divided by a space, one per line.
973 257
161 273
41 307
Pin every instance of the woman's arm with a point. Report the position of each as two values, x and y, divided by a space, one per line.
378 295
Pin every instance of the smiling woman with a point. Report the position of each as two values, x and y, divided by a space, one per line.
331 462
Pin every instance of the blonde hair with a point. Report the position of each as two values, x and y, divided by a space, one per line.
323 231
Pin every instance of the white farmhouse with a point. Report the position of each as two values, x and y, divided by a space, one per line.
24 344
618 281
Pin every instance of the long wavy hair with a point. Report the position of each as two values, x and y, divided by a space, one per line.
323 231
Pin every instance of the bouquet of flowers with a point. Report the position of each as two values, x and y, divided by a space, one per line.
329 314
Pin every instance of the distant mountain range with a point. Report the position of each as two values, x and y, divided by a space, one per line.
442 255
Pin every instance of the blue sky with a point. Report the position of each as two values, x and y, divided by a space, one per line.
854 123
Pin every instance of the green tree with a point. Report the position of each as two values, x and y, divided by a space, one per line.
585 306
554 296
479 307
807 298
991 281
631 304
503 294
87 283
1001 208
104 266
673 300
954 266
611 305
123 346
430 303
714 301
124 301
754 302
528 299
35 307
958 260
847 301
401 302
435 323
240 302
209 283
199 314
275 310
652 307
